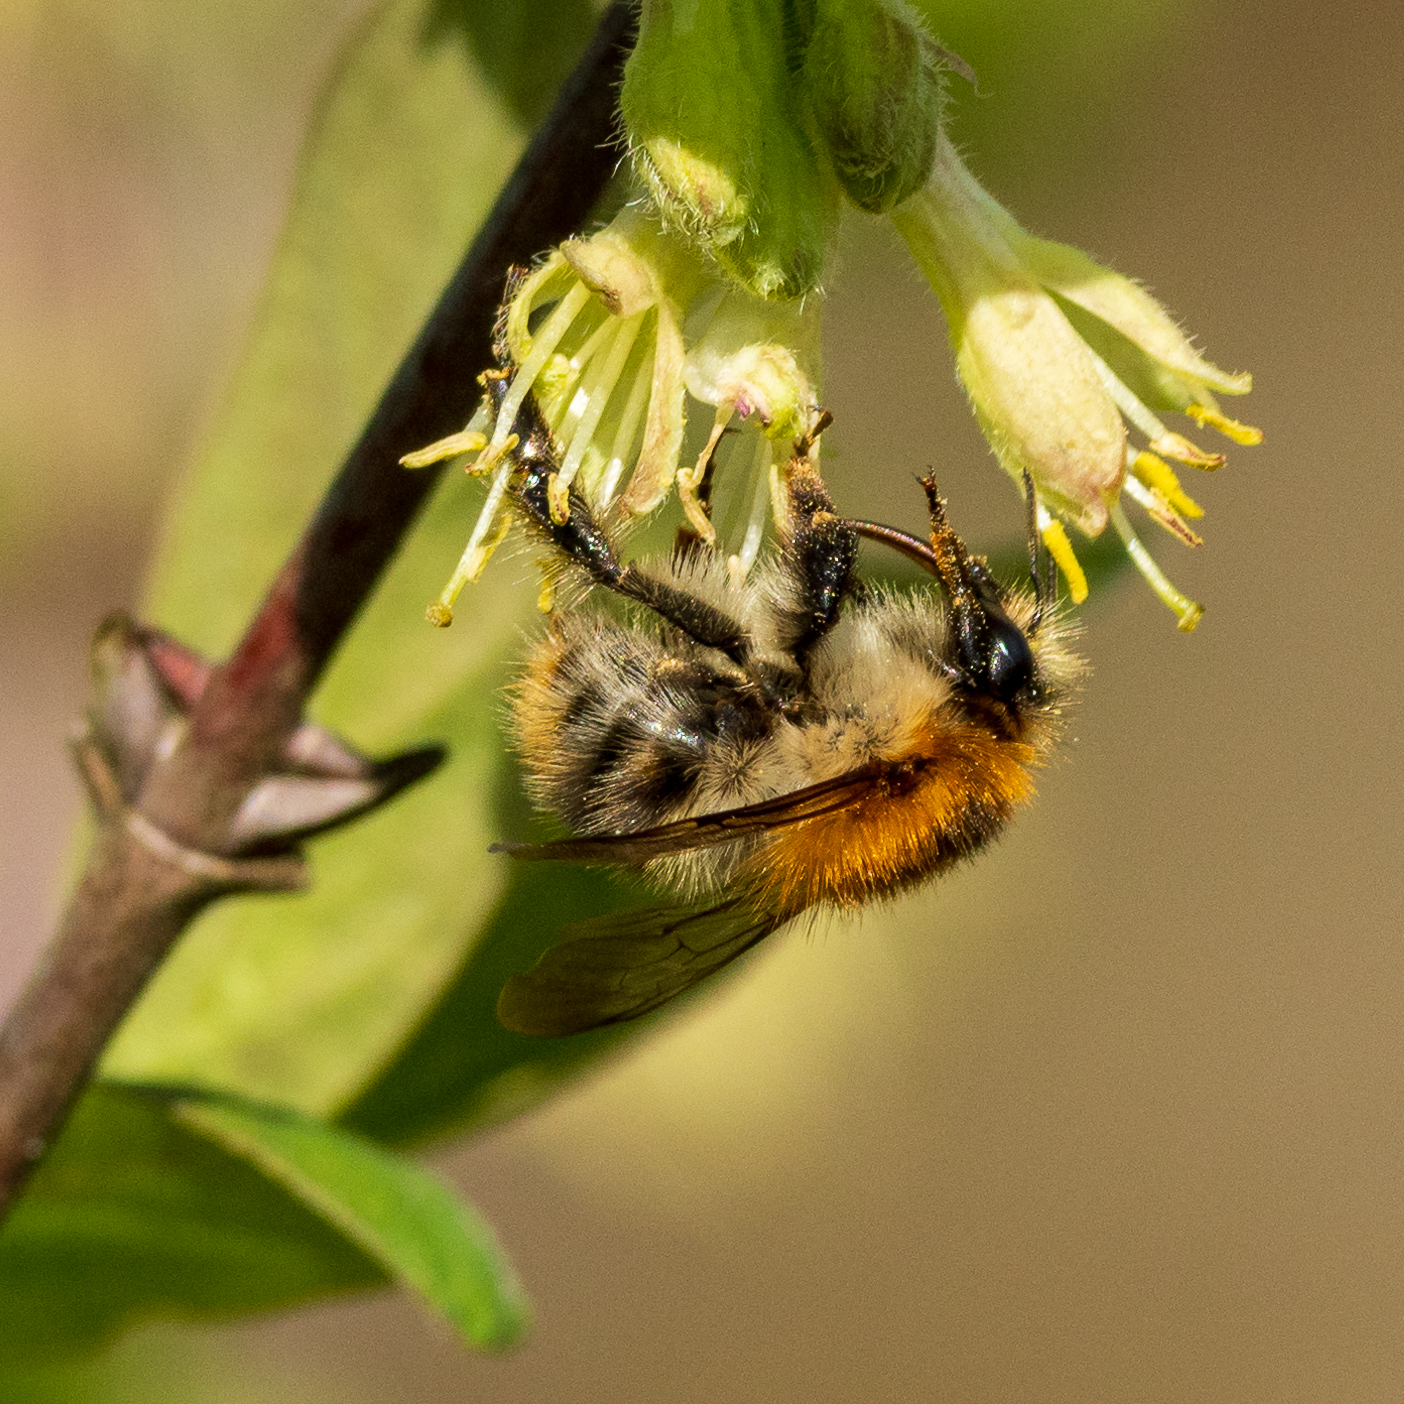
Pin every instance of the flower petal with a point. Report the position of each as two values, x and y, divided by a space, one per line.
663 431
1126 306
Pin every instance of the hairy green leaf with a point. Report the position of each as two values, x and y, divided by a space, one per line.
134 1215
298 1000
400 1215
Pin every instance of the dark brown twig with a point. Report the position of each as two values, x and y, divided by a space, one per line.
207 779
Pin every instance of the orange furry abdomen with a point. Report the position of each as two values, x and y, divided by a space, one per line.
932 808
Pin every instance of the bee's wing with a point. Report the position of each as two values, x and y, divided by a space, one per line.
624 965
710 830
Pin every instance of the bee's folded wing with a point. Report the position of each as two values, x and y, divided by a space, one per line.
710 830
625 965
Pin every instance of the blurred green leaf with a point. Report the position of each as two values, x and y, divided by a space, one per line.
524 50
298 1000
133 1215
406 151
410 1223
461 1067
160 1203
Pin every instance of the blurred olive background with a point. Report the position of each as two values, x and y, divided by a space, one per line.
1116 1114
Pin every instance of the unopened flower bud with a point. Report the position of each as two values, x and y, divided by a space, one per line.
874 85
716 129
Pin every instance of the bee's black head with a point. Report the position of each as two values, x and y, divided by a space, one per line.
992 653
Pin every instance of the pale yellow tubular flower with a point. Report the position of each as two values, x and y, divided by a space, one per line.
593 335
1060 356
1031 379
608 334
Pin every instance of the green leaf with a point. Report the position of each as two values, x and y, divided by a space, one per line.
399 1214
523 49
159 1202
134 1215
406 152
461 1068
299 1000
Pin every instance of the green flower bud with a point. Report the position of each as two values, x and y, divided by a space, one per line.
716 126
873 80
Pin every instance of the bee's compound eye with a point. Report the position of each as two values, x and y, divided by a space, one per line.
1008 664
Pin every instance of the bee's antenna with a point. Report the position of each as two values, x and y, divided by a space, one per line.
948 550
1045 586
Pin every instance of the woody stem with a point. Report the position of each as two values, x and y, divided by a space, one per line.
134 900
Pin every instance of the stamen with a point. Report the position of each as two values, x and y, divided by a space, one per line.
553 386
601 389
1055 538
1189 612
623 446
760 504
465 441
1156 473
1125 399
544 346
585 366
1231 428
1161 511
1179 448
477 552
690 479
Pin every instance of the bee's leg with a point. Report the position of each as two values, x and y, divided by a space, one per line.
818 557
585 542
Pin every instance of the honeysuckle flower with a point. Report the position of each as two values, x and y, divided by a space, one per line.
747 122
610 334
1060 357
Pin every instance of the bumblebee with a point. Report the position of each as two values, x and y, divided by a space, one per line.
769 744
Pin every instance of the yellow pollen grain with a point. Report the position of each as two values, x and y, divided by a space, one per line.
1230 428
558 497
1055 538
